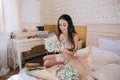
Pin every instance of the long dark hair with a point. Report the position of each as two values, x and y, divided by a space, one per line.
71 29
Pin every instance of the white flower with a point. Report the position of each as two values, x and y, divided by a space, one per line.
52 43
67 73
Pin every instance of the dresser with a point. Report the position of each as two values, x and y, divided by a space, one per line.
19 46
22 45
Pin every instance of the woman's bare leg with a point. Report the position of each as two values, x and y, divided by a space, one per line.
50 60
50 63
49 57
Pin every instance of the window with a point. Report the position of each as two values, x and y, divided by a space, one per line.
30 11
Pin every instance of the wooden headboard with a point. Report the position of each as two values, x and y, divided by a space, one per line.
81 30
96 31
51 28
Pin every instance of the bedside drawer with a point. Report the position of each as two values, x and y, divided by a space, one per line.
27 48
36 43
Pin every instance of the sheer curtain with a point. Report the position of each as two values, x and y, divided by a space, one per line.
9 22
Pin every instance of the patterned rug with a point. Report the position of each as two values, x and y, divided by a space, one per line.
38 59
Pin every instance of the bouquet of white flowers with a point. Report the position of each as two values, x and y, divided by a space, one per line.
52 43
66 73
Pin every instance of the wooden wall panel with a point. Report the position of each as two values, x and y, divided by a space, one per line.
51 28
81 30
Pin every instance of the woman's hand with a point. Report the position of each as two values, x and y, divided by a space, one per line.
62 47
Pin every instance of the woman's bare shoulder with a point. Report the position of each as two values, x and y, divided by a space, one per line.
75 35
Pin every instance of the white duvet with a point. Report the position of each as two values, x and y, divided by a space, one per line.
105 65
108 72
22 76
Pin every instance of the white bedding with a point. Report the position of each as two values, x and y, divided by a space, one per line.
108 72
22 76
106 66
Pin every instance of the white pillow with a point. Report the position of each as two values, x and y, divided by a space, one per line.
109 72
99 57
104 57
109 45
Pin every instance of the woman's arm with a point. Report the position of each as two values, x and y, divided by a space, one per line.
71 52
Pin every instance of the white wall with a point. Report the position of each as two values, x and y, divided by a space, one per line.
84 11
48 11
30 15
46 14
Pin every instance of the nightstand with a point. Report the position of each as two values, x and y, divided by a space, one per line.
80 44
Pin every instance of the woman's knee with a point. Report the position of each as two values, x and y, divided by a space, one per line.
44 58
47 63
49 57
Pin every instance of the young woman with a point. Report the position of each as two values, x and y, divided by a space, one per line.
69 41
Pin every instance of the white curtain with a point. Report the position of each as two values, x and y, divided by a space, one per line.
9 22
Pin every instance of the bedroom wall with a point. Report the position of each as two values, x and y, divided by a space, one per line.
88 11
82 12
29 11
46 13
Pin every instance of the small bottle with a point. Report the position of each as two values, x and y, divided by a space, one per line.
11 35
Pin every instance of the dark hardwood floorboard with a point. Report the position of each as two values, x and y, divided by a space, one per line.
38 59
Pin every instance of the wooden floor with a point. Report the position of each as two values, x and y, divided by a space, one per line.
38 59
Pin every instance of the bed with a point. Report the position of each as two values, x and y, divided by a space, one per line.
105 40
105 58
